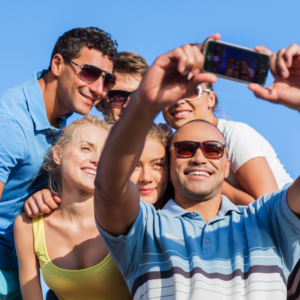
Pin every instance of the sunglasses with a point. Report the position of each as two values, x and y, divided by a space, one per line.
118 97
197 93
211 149
90 74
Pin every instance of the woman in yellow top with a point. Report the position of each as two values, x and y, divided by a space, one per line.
66 244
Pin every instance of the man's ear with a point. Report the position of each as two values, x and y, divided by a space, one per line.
211 100
56 64
227 167
57 154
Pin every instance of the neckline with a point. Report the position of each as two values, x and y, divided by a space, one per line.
107 258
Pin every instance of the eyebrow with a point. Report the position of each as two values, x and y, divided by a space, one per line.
86 142
161 159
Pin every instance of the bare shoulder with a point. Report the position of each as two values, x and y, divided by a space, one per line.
23 223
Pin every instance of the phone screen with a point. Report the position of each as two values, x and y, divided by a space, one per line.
236 63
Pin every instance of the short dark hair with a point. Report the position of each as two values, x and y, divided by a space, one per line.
71 42
130 63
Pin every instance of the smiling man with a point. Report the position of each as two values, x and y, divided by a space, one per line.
79 75
201 245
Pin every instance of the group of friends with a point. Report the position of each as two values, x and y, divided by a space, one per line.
123 208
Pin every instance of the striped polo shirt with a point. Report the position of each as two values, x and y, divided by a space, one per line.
244 252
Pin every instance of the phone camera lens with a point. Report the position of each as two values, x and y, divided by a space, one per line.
209 56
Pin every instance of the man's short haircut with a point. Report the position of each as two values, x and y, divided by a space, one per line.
71 43
130 63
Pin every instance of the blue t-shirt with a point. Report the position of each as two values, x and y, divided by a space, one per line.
244 252
25 137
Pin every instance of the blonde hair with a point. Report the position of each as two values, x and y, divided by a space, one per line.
66 136
161 133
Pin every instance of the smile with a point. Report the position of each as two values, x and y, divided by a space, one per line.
200 174
88 99
146 191
90 172
181 114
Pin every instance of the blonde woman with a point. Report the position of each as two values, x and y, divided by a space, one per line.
66 244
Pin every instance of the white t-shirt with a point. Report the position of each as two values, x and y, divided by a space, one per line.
245 143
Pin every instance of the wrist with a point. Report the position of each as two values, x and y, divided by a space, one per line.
144 106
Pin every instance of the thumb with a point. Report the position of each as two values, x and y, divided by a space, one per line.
57 199
263 93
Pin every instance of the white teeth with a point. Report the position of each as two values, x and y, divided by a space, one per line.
182 113
89 171
199 173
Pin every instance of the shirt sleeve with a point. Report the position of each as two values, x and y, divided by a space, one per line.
13 146
244 143
284 223
126 250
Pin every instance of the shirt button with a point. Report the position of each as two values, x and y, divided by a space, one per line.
202 226
194 215
206 241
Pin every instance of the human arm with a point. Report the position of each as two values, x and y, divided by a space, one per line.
116 197
40 203
285 67
28 264
11 152
293 197
2 185
256 178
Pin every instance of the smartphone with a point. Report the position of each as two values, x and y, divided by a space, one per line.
236 63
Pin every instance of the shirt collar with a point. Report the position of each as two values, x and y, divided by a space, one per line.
174 210
36 104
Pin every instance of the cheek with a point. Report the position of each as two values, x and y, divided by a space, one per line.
135 177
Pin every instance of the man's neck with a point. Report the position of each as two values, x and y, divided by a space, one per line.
207 208
54 109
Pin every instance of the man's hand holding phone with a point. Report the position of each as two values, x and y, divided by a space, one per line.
285 67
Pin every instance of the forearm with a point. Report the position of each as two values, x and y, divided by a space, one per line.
116 197
30 287
123 148
293 197
236 195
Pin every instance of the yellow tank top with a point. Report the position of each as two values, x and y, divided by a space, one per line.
100 282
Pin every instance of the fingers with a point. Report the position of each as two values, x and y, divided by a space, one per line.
263 49
57 199
281 67
215 36
197 79
41 203
292 53
190 59
263 93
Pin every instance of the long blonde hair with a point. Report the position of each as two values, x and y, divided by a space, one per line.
66 136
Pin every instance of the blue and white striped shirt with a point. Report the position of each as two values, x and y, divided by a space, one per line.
244 252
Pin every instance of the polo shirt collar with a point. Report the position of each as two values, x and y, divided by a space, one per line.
36 103
174 210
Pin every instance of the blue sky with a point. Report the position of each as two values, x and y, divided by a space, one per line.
150 28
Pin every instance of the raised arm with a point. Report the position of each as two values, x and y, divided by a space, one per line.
285 67
116 197
28 263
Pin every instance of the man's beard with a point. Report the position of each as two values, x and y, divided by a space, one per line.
202 195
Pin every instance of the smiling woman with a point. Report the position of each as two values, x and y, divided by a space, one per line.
81 267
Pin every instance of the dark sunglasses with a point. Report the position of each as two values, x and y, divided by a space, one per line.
90 74
118 97
211 149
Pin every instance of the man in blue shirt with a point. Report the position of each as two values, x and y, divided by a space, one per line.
31 115
200 246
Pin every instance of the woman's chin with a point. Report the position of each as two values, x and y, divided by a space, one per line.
152 199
